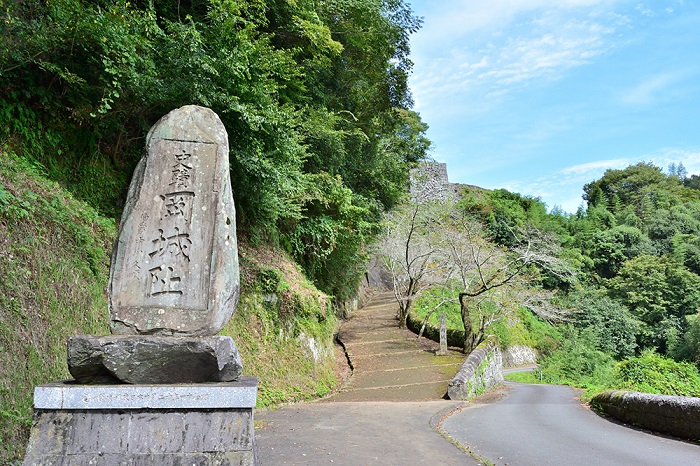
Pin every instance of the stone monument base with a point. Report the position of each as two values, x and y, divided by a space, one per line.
148 359
186 424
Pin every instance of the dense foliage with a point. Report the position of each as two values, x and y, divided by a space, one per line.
635 249
313 94
651 373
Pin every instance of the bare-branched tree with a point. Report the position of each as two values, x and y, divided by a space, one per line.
410 249
494 280
432 243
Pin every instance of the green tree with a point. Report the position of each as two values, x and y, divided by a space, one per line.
614 246
660 293
309 91
666 224
613 329
643 186
578 361
689 347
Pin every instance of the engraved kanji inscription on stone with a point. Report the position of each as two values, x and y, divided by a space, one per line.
182 170
165 279
177 205
175 268
173 245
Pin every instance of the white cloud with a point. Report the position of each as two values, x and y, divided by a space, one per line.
485 49
651 89
548 53
453 19
598 166
690 158
644 10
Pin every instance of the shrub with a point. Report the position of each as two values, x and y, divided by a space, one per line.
653 373
613 326
578 362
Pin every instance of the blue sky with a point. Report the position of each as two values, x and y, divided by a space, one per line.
542 96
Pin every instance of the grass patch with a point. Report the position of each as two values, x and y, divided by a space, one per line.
523 377
54 257
283 328
520 328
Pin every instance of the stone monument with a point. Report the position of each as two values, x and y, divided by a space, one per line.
174 284
174 279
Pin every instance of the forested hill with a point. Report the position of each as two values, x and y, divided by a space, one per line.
313 94
607 297
636 252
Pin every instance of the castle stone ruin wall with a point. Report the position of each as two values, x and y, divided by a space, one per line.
429 182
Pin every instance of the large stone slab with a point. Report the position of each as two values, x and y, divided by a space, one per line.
174 267
147 359
68 396
170 425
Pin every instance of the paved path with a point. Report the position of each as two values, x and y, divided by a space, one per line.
385 413
546 424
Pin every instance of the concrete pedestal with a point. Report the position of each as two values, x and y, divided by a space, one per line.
183 424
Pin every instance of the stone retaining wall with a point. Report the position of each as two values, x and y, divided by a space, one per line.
482 371
519 355
362 296
673 415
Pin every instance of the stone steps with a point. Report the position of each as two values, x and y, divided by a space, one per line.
389 362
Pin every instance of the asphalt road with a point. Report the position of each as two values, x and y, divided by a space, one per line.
546 424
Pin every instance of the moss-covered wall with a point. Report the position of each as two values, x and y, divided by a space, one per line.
673 415
482 371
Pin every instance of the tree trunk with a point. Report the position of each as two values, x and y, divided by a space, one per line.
404 309
469 336
406 303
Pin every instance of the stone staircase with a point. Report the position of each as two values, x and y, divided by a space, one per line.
389 363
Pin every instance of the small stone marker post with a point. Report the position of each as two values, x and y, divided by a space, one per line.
174 284
443 336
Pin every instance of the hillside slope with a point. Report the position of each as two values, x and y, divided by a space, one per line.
54 266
